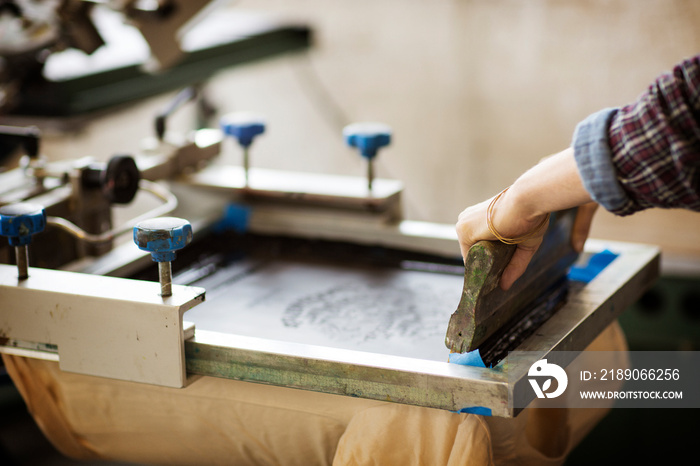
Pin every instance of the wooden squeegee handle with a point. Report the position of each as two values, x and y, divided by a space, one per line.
483 268
484 307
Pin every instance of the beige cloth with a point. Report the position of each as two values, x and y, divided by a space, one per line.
219 421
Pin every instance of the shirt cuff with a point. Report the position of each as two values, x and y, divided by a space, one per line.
594 160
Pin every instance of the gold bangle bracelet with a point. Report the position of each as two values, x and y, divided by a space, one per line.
500 237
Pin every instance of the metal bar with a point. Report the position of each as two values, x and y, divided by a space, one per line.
334 191
107 87
370 176
246 166
165 275
346 372
22 256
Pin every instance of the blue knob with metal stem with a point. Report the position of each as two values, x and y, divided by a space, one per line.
244 127
19 222
162 237
368 138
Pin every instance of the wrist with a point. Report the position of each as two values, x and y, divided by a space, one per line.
519 224
521 202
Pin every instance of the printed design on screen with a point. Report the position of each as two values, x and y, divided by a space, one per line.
363 312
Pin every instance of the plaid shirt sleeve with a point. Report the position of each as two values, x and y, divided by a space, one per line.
646 154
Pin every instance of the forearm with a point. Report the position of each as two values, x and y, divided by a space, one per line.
551 185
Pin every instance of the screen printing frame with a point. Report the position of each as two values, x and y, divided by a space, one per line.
427 383
406 380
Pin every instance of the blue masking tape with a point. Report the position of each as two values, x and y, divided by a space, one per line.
481 410
236 217
472 358
596 264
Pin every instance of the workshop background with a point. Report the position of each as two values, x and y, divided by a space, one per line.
476 91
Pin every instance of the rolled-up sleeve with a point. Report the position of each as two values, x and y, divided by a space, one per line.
646 154
594 160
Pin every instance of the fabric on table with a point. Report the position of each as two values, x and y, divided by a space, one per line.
218 421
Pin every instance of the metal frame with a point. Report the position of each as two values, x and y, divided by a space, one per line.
430 383
122 329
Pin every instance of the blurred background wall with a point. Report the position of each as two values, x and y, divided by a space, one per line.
476 91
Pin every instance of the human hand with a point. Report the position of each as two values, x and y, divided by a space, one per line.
552 185
472 227
510 221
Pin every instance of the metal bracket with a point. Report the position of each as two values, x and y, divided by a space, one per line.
103 326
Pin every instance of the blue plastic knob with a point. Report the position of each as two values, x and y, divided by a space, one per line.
20 221
242 126
367 137
163 236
